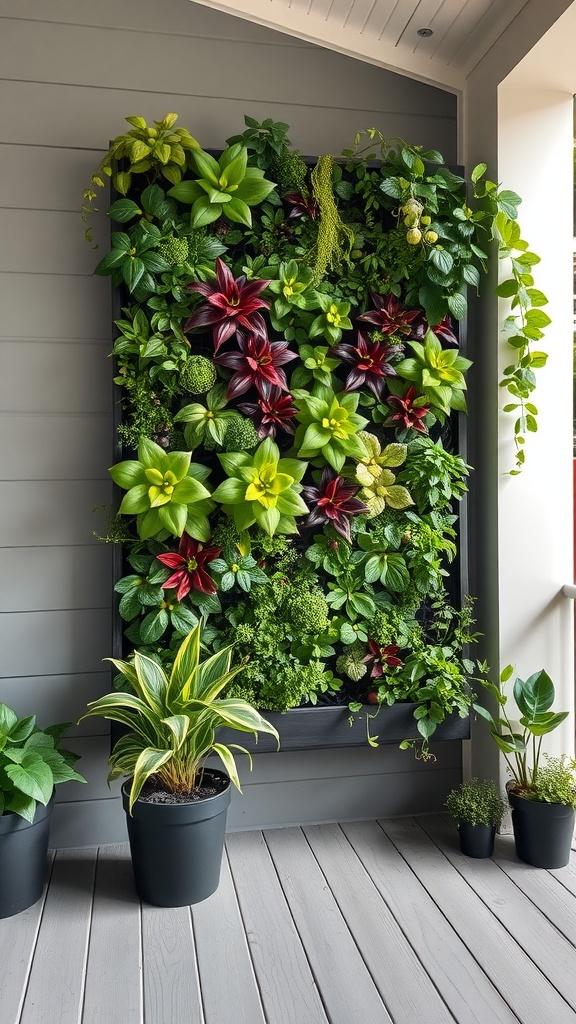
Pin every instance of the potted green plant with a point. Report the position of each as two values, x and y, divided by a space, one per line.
477 809
542 799
32 763
176 806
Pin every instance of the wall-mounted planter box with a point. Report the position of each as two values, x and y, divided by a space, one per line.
324 727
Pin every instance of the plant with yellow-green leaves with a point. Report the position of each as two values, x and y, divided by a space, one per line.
374 472
158 147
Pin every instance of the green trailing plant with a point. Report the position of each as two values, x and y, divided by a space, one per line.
476 802
173 719
333 245
32 762
521 743
159 148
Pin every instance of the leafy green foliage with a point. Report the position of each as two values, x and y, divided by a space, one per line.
173 719
31 763
521 743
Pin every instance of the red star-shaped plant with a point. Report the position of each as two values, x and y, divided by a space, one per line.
389 315
381 658
256 365
189 562
233 304
302 205
333 501
407 413
275 411
443 331
370 362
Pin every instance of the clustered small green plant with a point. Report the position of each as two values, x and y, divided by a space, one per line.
556 781
476 802
289 368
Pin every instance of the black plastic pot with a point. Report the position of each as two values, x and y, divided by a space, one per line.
23 850
177 848
476 840
542 832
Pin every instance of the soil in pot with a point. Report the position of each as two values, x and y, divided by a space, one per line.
542 832
476 840
177 845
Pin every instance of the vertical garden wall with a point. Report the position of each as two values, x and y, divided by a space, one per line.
290 380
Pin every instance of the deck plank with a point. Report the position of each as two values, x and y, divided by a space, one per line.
287 985
349 992
56 985
528 992
114 969
402 981
533 932
18 936
455 972
171 986
227 979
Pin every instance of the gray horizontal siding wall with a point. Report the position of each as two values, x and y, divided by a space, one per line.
71 71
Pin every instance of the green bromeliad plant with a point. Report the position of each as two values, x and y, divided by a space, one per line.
293 329
164 491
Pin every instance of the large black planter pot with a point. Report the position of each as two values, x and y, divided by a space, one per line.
476 840
542 832
23 850
177 848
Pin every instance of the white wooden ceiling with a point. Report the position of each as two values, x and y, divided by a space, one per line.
385 32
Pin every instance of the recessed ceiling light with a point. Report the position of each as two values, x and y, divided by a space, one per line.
425 32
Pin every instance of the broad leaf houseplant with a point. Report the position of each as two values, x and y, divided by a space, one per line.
32 763
542 798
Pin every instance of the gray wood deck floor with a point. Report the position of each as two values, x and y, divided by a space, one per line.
363 923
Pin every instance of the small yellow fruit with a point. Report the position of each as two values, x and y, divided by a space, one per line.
426 221
414 236
410 220
431 237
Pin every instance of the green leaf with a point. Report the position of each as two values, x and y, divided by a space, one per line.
123 210
153 626
441 259
30 774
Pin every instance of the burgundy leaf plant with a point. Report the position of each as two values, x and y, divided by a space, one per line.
333 501
389 315
257 365
405 411
275 411
381 658
189 562
370 362
232 305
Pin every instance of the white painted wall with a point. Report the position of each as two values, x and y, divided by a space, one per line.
521 119
71 70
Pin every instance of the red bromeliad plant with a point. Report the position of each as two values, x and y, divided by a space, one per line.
233 304
409 411
189 562
389 315
334 501
370 362
270 413
256 365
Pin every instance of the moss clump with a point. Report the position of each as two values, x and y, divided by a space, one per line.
307 613
240 435
173 250
149 416
198 375
290 171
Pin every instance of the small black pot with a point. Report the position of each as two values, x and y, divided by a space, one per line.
177 848
542 832
23 850
476 840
